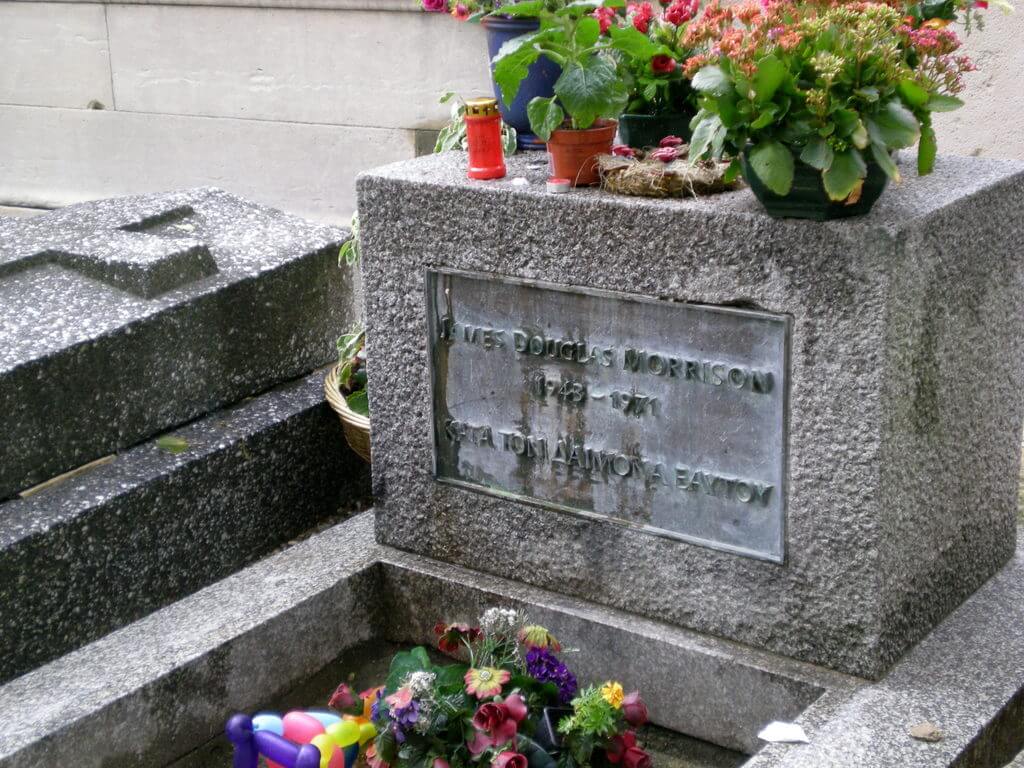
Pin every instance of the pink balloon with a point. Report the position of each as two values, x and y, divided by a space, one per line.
337 759
301 728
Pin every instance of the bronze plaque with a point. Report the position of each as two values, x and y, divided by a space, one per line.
665 416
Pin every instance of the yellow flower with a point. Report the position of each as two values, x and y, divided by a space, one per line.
536 636
613 694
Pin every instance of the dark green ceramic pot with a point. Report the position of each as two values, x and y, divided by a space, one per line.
808 199
639 131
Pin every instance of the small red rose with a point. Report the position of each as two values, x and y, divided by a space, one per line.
635 757
633 708
510 760
663 65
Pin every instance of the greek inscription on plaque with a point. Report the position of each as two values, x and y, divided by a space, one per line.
665 416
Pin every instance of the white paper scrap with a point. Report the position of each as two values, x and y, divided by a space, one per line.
783 733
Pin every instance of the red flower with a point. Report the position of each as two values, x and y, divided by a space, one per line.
668 141
663 65
983 4
497 723
618 746
342 698
681 11
636 758
461 12
510 760
641 15
621 150
605 17
633 708
665 154
450 636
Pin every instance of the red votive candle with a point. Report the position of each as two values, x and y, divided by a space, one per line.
483 134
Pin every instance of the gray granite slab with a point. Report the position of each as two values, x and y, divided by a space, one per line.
98 551
122 318
154 690
966 678
905 412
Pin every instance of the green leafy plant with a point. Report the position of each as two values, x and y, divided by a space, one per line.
453 134
590 86
832 87
653 74
352 370
349 252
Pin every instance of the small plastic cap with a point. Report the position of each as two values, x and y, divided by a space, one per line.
481 107
558 186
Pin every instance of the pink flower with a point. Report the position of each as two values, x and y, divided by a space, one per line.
461 12
435 6
681 11
440 762
663 65
618 745
497 723
399 699
668 141
633 708
372 759
636 758
665 154
641 15
605 17
621 150
342 698
509 760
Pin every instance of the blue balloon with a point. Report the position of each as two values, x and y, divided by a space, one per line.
268 721
326 718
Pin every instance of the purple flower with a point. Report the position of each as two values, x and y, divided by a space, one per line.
375 707
404 718
544 667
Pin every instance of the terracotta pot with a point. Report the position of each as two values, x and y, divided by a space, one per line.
574 153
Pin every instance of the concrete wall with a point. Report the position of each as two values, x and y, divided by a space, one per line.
284 101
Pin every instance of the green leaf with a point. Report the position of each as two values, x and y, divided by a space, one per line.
733 171
704 134
940 103
912 93
771 73
525 8
885 162
633 43
845 176
588 30
894 126
868 93
451 675
859 136
817 154
926 151
403 663
172 444
711 79
545 116
773 164
846 121
589 90
359 402
765 118
512 64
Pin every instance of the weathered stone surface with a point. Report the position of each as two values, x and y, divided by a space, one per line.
158 688
99 551
905 406
966 677
183 670
121 318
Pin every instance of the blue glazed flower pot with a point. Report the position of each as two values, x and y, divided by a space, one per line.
539 82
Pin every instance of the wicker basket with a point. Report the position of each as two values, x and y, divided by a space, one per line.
356 426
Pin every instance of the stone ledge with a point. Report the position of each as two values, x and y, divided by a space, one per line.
406 6
107 547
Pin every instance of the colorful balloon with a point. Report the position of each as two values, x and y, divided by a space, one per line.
326 719
268 721
344 733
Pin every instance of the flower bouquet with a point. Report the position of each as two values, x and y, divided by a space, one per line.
505 701
811 100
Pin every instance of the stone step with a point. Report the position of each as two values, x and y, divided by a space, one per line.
101 549
120 319
243 642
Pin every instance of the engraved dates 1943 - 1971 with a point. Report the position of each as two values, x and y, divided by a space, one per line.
666 416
